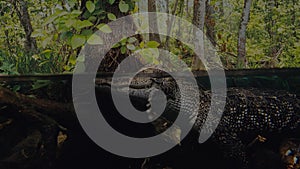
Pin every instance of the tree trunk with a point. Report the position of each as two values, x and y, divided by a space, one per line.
187 7
180 14
210 23
161 6
114 57
32 129
22 12
6 32
198 20
170 23
294 11
241 60
153 22
275 39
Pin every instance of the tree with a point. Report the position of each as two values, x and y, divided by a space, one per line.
198 21
210 22
22 12
51 33
241 60
170 22
153 22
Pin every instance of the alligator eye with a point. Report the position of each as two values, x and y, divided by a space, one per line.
296 160
288 153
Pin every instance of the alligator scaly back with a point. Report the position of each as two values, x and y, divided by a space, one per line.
248 113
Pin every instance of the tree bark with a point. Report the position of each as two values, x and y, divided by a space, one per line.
34 123
275 46
210 23
8 42
180 14
22 12
241 60
114 57
30 130
170 22
153 22
198 21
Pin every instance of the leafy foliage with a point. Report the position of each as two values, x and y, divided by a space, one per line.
61 28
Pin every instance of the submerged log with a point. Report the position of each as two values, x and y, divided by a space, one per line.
33 133
29 129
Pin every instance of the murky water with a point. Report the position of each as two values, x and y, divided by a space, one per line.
79 151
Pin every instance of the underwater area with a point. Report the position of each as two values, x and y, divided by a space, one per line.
39 129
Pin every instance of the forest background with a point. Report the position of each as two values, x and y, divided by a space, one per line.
46 36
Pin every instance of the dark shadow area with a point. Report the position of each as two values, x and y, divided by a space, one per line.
39 129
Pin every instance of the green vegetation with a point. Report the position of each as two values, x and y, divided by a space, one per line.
42 36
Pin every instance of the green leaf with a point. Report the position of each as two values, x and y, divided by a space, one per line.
72 3
104 28
95 40
152 44
142 44
66 35
123 6
46 41
72 60
116 45
87 33
85 23
131 40
52 18
49 19
44 62
149 55
40 84
90 6
92 19
98 12
82 24
37 33
111 1
67 68
70 22
86 14
62 28
46 51
111 16
123 49
76 13
77 41
130 46
123 41
16 88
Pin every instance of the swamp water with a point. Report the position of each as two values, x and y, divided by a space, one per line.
76 150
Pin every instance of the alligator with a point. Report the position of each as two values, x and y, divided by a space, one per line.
248 112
